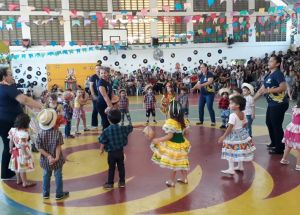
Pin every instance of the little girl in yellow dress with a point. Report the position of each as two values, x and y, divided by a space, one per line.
171 151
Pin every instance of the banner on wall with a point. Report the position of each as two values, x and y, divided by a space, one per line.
59 74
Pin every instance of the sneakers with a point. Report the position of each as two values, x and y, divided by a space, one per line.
147 122
222 127
199 123
297 167
46 196
108 186
63 196
86 129
213 124
70 137
155 121
228 171
121 184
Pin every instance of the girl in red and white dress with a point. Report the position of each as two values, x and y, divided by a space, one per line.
291 136
21 158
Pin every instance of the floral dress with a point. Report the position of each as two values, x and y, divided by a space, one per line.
21 157
172 154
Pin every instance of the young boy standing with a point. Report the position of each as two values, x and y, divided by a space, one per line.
49 142
149 102
123 106
112 140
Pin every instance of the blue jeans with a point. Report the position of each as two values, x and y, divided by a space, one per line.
249 124
225 116
95 114
209 99
58 181
68 129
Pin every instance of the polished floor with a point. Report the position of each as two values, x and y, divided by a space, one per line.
266 187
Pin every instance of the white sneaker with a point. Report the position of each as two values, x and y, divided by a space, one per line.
237 168
284 162
228 171
297 167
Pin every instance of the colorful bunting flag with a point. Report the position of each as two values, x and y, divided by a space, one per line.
46 9
13 7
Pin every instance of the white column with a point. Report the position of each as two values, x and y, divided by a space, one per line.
190 25
25 17
110 10
66 17
252 38
153 25
229 9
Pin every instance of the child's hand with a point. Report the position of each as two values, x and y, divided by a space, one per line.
221 139
155 141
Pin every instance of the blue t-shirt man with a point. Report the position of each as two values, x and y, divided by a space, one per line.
209 89
273 80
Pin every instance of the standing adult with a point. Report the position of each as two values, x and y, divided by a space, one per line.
274 88
105 94
207 94
94 79
10 107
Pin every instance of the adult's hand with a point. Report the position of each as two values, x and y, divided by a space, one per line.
27 101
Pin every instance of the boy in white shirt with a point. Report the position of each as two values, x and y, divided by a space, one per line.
248 92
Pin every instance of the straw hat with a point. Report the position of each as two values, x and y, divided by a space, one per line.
148 86
149 133
47 118
249 86
224 90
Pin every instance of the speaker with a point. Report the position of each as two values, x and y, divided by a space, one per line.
155 41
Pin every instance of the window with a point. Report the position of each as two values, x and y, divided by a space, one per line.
131 5
262 4
273 29
88 33
171 30
11 35
138 31
88 5
240 5
171 4
52 31
202 6
7 2
209 32
240 30
40 4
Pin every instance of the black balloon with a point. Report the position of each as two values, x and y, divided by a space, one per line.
105 58
220 61
162 60
29 68
184 68
220 51
38 73
44 79
189 59
35 83
209 54
195 52
134 56
17 71
117 63
29 76
145 61
200 61
172 55
123 56
21 81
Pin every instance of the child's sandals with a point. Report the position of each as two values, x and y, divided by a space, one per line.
182 181
170 184
284 162
29 184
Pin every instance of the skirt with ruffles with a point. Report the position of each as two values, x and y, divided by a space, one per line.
171 155
291 136
238 146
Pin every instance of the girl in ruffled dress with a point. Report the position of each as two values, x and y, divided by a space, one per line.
292 136
21 158
171 151
237 144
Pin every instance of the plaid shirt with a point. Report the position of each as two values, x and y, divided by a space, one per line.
123 103
149 100
224 103
115 137
68 110
48 140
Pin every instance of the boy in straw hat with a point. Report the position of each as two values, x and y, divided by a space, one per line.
248 92
224 106
149 102
49 142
